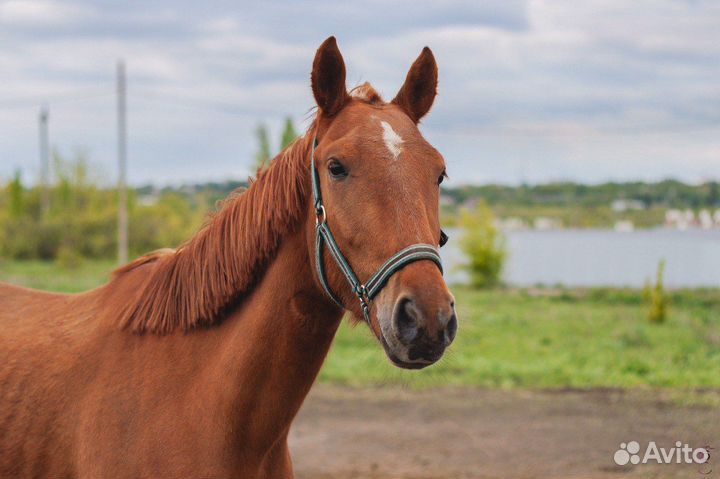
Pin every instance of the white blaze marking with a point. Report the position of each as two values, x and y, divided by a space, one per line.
392 139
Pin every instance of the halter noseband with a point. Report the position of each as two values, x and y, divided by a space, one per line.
364 292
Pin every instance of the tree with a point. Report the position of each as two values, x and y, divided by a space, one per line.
262 157
484 246
289 134
713 197
15 189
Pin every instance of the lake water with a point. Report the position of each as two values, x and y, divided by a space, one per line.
602 257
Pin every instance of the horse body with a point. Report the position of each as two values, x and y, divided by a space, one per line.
38 346
194 362
88 400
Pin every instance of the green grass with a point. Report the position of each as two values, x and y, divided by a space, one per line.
515 338
510 338
52 277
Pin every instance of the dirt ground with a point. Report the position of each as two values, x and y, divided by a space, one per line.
345 433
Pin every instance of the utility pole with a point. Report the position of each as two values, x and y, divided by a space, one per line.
122 166
44 159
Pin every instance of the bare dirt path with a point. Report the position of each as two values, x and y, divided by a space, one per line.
477 433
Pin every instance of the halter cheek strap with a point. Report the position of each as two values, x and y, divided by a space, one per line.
364 292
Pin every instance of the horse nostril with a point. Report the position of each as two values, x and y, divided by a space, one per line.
451 330
405 319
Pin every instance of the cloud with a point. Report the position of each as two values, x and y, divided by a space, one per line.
40 14
529 90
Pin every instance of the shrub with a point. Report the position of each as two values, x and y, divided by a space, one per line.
82 219
484 246
656 297
68 258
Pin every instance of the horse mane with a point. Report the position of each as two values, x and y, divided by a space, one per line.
192 286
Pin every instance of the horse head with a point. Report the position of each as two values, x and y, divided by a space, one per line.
379 183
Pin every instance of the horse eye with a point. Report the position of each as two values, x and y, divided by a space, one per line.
337 170
441 178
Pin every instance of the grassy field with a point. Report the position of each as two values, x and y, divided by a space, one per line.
51 277
514 338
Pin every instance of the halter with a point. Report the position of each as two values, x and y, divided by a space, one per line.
364 292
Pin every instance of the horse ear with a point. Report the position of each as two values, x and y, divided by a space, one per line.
328 78
418 92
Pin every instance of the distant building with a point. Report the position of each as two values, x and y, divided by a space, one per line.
512 224
673 218
545 223
683 220
626 205
624 226
678 219
149 198
705 219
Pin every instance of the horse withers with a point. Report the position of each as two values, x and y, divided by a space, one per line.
193 362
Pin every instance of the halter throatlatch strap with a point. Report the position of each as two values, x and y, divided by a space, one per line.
364 292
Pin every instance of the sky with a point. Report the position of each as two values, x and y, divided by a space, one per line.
530 91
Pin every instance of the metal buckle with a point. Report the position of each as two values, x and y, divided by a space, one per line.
365 306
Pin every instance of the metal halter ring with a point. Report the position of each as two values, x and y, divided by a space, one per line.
320 213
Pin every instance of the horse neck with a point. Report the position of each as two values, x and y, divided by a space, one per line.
273 346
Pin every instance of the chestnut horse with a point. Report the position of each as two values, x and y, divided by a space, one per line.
193 362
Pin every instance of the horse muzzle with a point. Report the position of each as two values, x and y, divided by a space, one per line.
417 329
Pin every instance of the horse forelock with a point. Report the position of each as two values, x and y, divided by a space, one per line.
193 285
367 93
